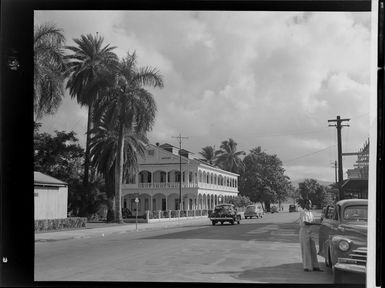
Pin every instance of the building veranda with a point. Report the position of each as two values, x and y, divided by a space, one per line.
157 184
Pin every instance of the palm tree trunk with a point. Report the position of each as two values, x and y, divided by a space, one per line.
87 153
119 176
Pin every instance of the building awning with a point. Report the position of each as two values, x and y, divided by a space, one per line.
41 179
355 184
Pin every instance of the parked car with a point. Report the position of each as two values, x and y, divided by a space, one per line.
225 213
254 210
343 239
293 208
274 209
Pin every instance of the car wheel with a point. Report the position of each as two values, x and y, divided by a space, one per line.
221 222
232 222
213 222
238 222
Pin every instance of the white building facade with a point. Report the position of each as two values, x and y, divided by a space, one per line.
51 197
157 183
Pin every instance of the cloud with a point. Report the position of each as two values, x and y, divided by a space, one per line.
262 78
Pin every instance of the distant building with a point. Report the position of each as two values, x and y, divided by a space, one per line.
356 186
51 197
158 179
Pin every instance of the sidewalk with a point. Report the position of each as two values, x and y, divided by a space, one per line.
104 229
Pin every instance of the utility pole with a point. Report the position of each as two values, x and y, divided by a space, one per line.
180 168
335 171
340 171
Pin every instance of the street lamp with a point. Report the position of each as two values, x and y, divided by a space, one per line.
136 201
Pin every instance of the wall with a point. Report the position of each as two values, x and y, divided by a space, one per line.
50 202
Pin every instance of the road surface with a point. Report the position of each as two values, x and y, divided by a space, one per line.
256 251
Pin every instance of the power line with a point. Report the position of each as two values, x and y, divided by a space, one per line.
309 154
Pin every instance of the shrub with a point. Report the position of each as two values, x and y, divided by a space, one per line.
44 225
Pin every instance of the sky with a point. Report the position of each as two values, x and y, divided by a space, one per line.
269 79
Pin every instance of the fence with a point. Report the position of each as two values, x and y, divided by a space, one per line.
174 214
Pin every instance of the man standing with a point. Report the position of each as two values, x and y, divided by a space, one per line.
306 238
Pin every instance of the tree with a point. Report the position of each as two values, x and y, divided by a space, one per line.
208 154
131 109
49 69
103 153
59 156
263 179
241 201
91 69
312 190
228 158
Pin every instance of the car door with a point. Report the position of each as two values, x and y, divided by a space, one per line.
325 229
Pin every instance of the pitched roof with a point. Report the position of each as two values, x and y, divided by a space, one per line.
43 179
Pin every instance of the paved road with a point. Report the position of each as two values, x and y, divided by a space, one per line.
258 250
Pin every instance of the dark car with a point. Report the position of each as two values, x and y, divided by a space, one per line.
292 208
343 239
225 213
274 209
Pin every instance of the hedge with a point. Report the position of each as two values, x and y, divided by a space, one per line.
45 225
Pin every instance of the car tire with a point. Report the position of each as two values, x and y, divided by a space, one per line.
232 222
221 222
213 222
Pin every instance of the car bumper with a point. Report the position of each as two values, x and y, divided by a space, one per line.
221 218
353 268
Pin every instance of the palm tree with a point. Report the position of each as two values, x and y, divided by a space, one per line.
131 109
49 68
228 158
103 153
208 154
91 67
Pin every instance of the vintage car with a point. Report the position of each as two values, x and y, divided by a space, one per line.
274 209
343 239
225 213
293 208
254 210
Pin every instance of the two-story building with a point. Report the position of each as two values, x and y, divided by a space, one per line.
163 169
356 186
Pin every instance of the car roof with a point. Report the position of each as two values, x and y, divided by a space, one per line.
348 202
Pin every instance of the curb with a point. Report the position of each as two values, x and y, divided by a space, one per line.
104 231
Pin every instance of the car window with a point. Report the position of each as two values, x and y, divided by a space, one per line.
356 213
250 208
330 212
335 213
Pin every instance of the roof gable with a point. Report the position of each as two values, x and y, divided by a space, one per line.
44 179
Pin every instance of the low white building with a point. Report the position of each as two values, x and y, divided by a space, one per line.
51 197
157 183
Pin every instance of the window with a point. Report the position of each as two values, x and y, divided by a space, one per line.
153 204
330 211
146 204
163 204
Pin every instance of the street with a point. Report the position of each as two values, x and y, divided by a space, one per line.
258 250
